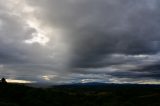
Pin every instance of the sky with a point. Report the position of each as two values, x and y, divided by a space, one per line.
80 41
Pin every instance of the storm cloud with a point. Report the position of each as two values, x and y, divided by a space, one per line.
80 40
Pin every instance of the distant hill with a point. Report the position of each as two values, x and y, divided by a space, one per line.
108 85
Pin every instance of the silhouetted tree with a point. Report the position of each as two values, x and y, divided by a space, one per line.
3 80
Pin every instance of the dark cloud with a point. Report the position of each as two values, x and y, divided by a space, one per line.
80 36
97 29
150 71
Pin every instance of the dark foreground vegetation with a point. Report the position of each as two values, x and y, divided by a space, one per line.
80 95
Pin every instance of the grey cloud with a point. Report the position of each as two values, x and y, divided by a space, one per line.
91 33
99 28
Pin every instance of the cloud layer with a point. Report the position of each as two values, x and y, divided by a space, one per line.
80 40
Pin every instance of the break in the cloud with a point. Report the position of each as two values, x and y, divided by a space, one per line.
64 41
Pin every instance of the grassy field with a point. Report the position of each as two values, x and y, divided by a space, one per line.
80 95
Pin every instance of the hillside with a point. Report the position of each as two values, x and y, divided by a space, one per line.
80 95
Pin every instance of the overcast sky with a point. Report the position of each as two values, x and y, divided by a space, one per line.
72 41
